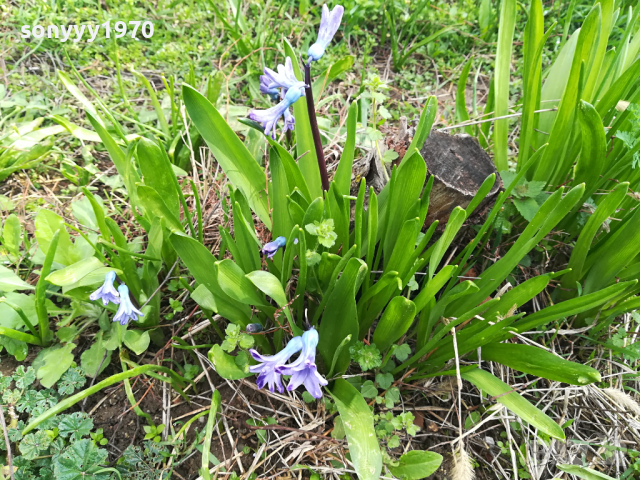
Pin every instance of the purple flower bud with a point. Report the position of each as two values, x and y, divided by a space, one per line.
126 310
303 370
107 293
254 328
271 248
329 25
267 369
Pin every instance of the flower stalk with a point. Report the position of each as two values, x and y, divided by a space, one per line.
317 142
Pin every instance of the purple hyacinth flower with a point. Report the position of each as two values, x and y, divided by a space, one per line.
267 369
269 117
126 310
271 248
273 92
107 292
289 121
329 25
284 78
303 370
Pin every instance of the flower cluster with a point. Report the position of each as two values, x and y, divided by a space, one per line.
303 370
284 84
108 294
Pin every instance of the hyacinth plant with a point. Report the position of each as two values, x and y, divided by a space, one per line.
350 284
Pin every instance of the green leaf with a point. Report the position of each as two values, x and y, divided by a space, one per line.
268 284
527 207
584 472
384 380
402 352
158 174
155 206
614 254
553 163
502 74
225 364
92 359
335 69
456 219
342 178
340 318
75 426
278 192
416 464
10 282
174 379
534 41
75 91
237 162
234 283
338 427
47 224
80 461
324 231
591 161
367 356
32 445
461 114
12 234
137 340
247 247
294 174
369 390
539 362
427 117
361 436
52 362
515 402
76 272
571 307
395 321
550 213
199 261
407 184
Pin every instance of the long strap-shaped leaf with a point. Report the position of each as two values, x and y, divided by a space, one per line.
503 70
358 425
237 162
515 402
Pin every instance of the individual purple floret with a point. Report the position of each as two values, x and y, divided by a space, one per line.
329 25
303 370
273 92
289 121
107 292
126 310
271 248
268 118
267 369
284 78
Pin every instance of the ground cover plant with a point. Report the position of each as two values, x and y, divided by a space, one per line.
212 270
